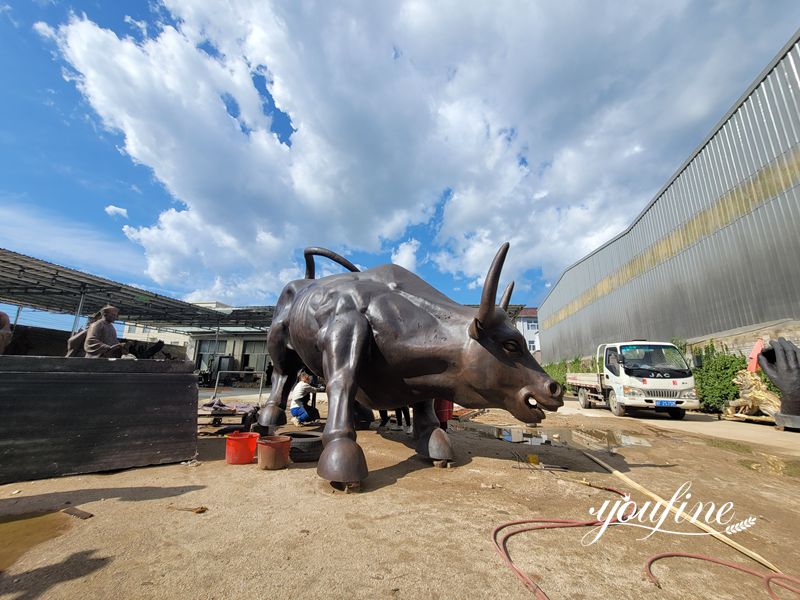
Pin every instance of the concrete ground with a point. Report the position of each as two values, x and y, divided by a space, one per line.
763 434
415 531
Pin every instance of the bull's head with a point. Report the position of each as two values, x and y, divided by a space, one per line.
499 370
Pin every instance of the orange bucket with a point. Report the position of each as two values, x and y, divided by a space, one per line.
240 448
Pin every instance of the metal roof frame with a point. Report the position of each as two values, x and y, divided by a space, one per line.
28 281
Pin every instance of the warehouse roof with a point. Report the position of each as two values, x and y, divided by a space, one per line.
28 281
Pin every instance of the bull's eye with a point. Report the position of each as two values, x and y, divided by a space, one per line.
512 347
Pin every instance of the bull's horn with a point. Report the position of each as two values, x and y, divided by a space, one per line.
507 296
488 298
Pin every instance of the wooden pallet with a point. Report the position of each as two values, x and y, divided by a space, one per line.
750 418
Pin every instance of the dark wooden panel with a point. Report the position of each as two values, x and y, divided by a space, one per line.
38 341
59 364
75 418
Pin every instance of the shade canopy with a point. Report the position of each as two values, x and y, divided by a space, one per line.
36 283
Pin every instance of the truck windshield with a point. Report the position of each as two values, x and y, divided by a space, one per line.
643 360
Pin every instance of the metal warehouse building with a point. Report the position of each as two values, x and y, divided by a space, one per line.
718 248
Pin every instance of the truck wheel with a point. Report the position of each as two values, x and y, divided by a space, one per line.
676 413
583 398
616 408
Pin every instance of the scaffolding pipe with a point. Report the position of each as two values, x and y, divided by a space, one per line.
78 312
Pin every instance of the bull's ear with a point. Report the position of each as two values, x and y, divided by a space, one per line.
475 329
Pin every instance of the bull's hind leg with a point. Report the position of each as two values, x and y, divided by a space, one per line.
342 460
431 441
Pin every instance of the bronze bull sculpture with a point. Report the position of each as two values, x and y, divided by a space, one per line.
385 338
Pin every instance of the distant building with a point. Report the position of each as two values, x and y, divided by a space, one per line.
144 333
246 349
527 321
245 346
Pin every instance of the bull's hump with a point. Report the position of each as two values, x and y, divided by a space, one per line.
399 279
402 311
376 288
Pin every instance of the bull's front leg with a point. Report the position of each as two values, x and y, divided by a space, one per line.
431 440
286 365
342 460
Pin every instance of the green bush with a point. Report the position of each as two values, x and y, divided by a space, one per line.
559 370
714 380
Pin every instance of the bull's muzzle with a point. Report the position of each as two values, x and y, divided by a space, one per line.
533 400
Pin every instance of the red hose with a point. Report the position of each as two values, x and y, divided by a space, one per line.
767 578
501 545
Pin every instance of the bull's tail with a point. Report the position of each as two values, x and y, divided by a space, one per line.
310 253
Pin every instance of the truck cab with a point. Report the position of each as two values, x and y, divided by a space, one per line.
638 374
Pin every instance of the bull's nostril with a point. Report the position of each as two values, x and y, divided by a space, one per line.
530 401
555 389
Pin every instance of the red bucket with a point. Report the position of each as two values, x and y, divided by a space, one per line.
240 448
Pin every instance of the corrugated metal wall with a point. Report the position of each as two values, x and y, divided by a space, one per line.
719 246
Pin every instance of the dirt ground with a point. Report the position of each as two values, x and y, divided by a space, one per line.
414 531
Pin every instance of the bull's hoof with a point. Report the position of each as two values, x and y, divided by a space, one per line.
271 414
443 464
342 461
262 430
435 445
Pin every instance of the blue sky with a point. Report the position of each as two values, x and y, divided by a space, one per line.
195 149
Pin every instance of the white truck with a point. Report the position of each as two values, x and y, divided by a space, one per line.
638 374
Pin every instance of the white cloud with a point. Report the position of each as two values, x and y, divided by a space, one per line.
405 254
551 124
42 234
5 10
44 30
140 26
116 211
